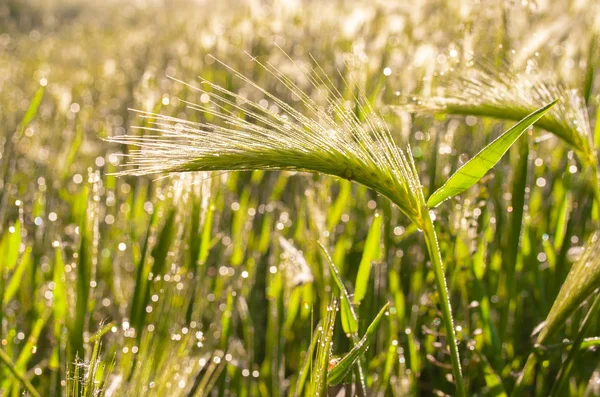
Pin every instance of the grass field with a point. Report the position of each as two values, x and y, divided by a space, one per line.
299 198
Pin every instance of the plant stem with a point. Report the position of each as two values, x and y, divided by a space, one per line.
595 184
563 374
11 366
526 376
519 186
438 270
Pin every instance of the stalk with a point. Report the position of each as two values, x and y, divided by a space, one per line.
526 377
595 184
567 365
519 186
440 279
20 377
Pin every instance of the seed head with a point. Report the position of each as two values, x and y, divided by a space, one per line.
243 134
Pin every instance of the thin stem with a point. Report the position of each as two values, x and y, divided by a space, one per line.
595 184
438 269
519 186
11 366
526 377
563 374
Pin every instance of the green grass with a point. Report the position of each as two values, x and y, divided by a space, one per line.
269 280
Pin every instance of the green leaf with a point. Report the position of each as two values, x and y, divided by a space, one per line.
582 280
337 209
226 321
567 365
349 318
303 374
211 374
142 274
89 383
370 252
349 321
207 229
492 380
84 268
31 110
159 254
319 373
10 248
17 277
5 359
590 342
590 70
60 306
76 379
561 221
597 129
339 371
28 350
473 170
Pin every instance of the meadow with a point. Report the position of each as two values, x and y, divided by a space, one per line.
299 198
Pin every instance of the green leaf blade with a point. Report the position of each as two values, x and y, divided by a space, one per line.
492 379
348 316
473 170
319 373
32 110
339 371
371 252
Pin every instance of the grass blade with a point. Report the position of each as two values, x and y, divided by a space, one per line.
159 254
31 110
492 380
319 373
348 315
306 365
519 185
12 368
88 389
581 282
17 276
339 371
338 207
83 281
565 369
10 247
59 307
371 252
473 170
141 279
